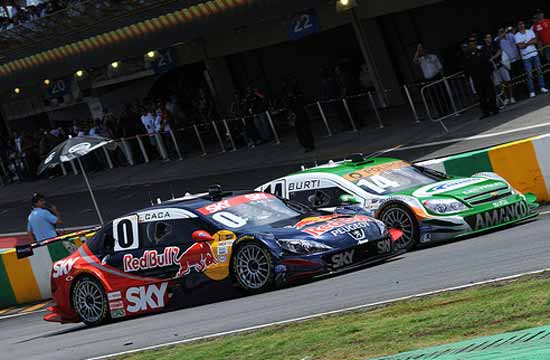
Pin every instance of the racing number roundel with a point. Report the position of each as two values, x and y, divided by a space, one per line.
125 233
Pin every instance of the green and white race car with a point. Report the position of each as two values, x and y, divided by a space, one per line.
426 205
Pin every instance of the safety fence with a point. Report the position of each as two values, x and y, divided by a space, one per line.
452 95
229 134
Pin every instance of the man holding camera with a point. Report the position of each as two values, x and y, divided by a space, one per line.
42 219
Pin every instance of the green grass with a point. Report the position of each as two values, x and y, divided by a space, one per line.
402 326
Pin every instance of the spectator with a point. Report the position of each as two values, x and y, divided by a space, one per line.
256 105
541 27
478 66
510 52
501 75
429 64
526 41
296 105
42 219
148 121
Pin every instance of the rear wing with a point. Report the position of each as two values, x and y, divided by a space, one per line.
24 251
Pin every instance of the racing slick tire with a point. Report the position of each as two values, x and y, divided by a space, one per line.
90 301
253 267
400 217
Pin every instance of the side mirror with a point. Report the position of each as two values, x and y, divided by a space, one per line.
202 236
348 200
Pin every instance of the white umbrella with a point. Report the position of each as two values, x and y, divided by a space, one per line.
73 149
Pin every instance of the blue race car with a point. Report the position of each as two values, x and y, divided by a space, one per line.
143 261
277 241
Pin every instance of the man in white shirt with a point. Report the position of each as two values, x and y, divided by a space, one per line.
429 63
148 121
508 45
526 41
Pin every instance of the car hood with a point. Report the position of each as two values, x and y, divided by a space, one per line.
335 230
465 189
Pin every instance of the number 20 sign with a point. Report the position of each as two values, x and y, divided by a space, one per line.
303 24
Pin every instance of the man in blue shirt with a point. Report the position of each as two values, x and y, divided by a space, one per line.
42 220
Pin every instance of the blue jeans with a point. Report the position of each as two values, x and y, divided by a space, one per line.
530 64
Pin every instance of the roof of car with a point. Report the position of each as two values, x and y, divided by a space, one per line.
342 168
193 202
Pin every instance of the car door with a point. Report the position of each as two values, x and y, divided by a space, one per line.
178 251
321 194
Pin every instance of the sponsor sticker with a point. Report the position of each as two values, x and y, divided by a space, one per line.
342 259
151 259
116 305
116 295
445 186
198 257
234 201
120 313
317 231
63 267
143 298
374 170
164 214
313 220
501 215
384 246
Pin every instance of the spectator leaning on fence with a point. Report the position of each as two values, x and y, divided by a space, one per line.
527 41
501 75
42 219
429 63
542 30
478 66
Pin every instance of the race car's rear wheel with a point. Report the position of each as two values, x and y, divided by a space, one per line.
89 301
400 217
253 267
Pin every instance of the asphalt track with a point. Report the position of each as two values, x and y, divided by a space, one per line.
510 251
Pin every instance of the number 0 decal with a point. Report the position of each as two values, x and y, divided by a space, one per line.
125 233
229 219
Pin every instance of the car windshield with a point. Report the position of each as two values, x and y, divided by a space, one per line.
393 177
249 210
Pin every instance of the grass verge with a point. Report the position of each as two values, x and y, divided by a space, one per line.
399 327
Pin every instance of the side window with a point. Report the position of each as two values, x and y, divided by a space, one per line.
103 242
320 198
171 232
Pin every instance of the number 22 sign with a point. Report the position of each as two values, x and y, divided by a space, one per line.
303 24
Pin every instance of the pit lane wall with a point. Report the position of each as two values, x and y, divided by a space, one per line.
28 280
524 163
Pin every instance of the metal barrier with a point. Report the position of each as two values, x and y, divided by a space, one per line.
349 106
448 97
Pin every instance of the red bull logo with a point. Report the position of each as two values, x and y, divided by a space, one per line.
313 220
198 257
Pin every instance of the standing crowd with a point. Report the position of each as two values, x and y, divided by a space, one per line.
496 64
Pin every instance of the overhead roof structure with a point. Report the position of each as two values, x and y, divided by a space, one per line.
53 33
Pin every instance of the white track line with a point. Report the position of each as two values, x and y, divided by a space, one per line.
468 138
21 314
309 317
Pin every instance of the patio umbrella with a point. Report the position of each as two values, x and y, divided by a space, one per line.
73 149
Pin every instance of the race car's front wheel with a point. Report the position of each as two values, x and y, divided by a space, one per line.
253 267
399 217
89 301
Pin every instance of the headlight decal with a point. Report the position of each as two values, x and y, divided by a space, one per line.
444 206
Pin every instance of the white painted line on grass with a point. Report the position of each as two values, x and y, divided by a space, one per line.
468 138
309 317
